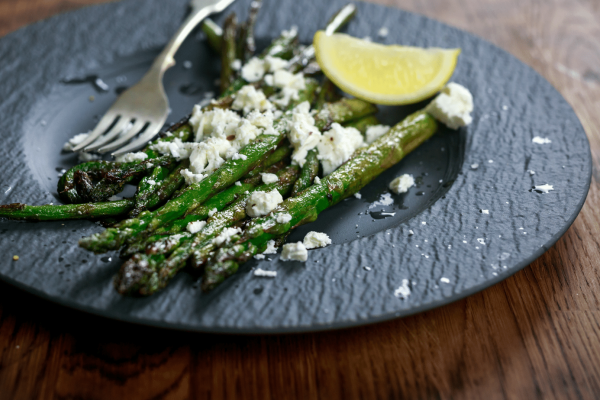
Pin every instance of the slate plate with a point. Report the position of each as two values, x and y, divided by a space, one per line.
439 240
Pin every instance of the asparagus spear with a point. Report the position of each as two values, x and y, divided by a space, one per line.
310 169
214 34
228 52
349 178
246 45
66 211
362 124
144 274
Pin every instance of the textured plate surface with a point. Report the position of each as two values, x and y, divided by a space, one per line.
439 241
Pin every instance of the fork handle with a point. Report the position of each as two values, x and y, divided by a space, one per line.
200 10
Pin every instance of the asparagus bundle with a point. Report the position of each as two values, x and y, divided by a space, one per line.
209 225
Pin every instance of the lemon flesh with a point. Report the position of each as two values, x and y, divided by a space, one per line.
383 74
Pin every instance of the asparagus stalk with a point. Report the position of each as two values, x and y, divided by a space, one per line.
214 34
66 211
228 52
310 169
362 124
246 43
144 274
348 179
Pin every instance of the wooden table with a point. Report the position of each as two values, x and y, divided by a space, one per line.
535 335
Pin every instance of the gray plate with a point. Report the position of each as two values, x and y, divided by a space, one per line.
439 239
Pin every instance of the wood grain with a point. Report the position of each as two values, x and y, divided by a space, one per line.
535 335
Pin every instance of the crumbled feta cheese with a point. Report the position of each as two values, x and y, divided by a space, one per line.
452 106
358 195
212 212
274 64
403 291
238 156
190 177
303 135
313 240
253 70
337 145
375 132
226 235
264 273
317 180
402 183
289 84
541 140
283 218
259 257
74 141
236 64
249 99
269 178
216 123
195 226
85 157
271 249
175 148
485 211
268 79
261 203
294 252
130 157
238 183
383 31
543 188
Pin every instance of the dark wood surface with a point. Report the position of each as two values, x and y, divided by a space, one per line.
535 335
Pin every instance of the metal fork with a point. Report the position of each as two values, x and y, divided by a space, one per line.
144 108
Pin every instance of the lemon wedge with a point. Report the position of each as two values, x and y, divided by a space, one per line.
383 74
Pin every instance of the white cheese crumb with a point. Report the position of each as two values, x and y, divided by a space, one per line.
190 177
238 156
313 240
283 218
271 249
358 195
253 70
402 183
383 31
212 212
403 291
85 157
269 178
317 180
238 183
452 106
303 134
130 157
375 132
226 235
151 182
294 252
74 141
337 145
444 280
541 140
249 99
195 226
265 273
236 64
485 211
261 203
543 188
259 257
474 166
